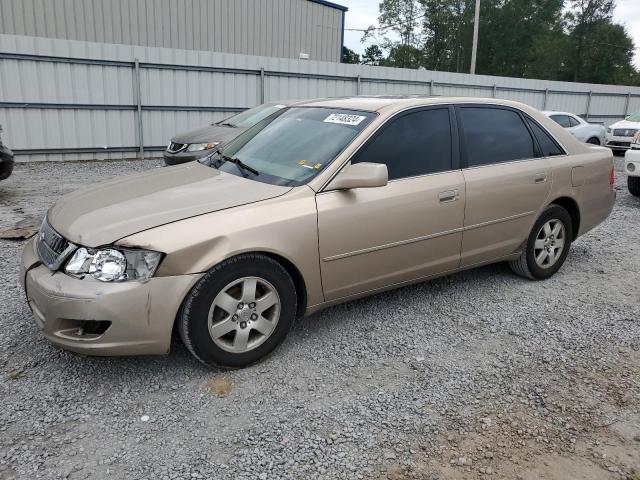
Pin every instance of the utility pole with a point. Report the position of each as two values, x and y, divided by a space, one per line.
474 48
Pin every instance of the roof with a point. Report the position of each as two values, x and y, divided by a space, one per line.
330 4
553 112
398 102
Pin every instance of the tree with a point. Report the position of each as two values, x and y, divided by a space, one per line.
349 56
372 55
404 56
603 55
445 26
571 40
400 16
511 35
598 50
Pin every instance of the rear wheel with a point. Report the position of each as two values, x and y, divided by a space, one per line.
238 312
634 185
547 246
594 141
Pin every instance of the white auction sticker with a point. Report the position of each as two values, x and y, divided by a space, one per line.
344 118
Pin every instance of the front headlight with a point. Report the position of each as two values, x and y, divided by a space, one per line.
113 264
198 147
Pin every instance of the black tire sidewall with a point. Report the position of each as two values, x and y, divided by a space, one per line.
552 212
633 184
197 305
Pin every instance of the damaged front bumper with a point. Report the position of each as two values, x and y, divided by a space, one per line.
102 318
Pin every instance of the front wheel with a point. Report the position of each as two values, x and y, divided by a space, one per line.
547 246
634 185
594 141
238 312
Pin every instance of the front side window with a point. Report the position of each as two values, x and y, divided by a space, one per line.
291 147
634 118
494 135
562 120
414 144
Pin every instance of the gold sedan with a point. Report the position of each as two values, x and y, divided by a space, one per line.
317 204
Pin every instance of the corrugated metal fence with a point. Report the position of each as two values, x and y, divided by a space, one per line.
67 100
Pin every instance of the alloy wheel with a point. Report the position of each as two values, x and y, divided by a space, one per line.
244 314
549 243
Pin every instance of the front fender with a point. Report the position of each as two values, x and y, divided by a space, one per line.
285 226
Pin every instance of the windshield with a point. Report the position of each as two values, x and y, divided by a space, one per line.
250 117
292 147
634 118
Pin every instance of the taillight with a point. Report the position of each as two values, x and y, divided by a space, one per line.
612 177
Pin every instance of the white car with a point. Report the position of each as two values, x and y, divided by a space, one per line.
579 128
635 143
620 134
632 167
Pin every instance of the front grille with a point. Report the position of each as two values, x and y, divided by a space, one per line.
52 247
624 132
176 147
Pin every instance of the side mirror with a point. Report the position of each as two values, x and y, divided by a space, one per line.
360 175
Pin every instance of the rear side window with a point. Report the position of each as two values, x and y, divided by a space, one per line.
494 135
574 122
414 144
561 120
547 144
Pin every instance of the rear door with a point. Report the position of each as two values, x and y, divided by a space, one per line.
371 238
507 181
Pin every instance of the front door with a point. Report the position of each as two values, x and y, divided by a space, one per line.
371 238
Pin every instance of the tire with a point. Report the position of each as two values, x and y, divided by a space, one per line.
594 141
634 185
202 320
527 265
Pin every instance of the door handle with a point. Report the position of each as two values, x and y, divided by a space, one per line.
540 178
448 196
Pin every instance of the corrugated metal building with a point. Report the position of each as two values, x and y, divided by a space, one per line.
312 29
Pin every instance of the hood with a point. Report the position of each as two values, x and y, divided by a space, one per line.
106 212
625 124
209 134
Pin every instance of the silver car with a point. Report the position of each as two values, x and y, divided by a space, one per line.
578 127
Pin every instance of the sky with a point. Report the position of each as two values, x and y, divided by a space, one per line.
363 13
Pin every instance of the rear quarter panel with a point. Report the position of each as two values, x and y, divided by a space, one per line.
584 177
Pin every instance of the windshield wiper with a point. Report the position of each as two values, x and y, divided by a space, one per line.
241 166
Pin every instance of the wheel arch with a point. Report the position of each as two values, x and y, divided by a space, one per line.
571 206
291 268
296 276
288 265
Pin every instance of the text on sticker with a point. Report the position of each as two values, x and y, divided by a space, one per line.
344 118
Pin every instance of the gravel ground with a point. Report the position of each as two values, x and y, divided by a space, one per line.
477 375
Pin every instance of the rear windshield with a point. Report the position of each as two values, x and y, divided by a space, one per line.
250 117
293 146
